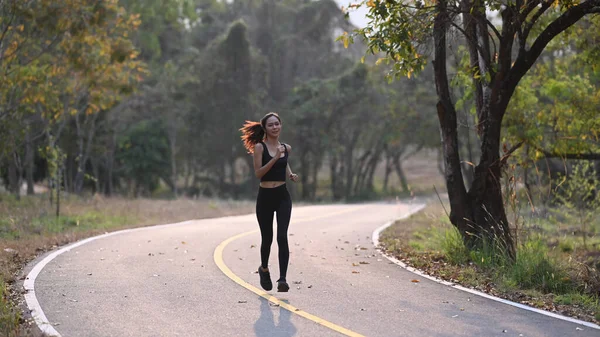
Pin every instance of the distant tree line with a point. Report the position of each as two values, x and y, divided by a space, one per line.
125 97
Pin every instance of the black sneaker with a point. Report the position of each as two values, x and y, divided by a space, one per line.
282 286
265 279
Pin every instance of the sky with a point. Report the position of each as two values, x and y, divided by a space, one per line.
357 16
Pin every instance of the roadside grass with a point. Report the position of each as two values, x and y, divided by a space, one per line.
554 270
29 227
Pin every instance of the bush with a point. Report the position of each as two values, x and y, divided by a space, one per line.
9 318
454 247
533 269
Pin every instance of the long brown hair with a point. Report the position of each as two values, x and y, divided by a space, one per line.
254 132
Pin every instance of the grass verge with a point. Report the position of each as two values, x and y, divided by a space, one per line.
29 228
545 274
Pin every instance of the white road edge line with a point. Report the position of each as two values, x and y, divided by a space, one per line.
29 284
376 243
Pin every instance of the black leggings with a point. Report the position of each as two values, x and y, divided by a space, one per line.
271 200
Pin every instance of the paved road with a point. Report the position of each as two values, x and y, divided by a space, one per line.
167 281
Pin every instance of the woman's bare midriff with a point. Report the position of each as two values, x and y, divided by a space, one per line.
271 184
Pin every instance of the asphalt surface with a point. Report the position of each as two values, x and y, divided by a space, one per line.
164 281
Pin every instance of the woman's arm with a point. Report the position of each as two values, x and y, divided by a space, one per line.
292 175
259 170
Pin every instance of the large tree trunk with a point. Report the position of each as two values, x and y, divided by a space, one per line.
388 171
478 215
400 173
84 147
485 195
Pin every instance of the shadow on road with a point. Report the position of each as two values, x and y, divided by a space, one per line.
265 325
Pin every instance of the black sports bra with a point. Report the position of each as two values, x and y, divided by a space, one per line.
278 170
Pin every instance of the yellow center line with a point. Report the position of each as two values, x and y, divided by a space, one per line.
218 257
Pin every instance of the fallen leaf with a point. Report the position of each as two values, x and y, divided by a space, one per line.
252 246
89 274
310 286
355 272
354 264
183 242
363 262
242 301
415 281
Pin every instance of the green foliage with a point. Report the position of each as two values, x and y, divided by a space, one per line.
454 248
161 19
84 222
533 269
577 193
398 30
9 316
144 156
586 301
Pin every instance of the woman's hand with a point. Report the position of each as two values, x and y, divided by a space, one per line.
280 149
294 177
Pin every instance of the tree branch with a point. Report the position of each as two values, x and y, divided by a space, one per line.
531 5
581 156
566 20
528 26
496 32
508 153
526 59
474 43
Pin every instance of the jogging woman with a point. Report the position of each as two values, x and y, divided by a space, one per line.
261 139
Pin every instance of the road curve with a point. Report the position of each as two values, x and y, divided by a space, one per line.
198 278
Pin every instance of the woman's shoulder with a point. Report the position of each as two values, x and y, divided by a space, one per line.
258 147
